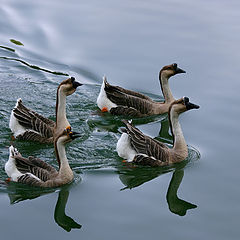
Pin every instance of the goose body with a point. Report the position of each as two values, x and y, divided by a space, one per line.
26 124
138 148
120 101
35 172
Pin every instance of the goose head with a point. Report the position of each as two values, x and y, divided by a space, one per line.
66 136
69 86
182 105
170 70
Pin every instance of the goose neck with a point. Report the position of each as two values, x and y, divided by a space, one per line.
179 145
65 172
165 88
61 118
61 155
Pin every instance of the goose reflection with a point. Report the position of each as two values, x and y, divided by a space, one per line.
20 193
133 177
60 217
175 204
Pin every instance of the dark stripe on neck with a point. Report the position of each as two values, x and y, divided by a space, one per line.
56 151
170 123
160 80
57 102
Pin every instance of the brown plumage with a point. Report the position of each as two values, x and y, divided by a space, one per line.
35 172
141 149
26 124
147 148
120 101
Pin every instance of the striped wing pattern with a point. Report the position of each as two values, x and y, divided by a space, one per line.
34 136
35 166
146 146
111 88
123 97
128 111
30 180
148 161
33 121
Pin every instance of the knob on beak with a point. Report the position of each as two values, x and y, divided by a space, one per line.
75 83
190 105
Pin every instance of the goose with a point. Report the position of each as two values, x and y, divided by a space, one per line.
35 172
138 148
120 101
26 124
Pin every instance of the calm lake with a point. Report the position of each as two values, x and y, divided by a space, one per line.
44 42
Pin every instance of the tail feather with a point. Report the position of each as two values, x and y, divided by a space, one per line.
105 80
13 152
24 114
23 120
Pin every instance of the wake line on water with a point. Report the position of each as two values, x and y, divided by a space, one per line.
34 66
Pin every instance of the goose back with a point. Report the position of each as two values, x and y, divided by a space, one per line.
36 127
149 151
128 102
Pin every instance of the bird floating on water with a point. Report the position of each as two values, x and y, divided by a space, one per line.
138 148
26 124
35 172
120 101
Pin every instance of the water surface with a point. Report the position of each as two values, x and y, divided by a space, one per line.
129 42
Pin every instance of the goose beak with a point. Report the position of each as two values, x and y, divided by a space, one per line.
190 105
75 83
74 135
179 70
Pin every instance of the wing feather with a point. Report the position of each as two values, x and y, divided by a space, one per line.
111 88
35 166
148 161
145 145
128 111
30 135
30 180
27 110
33 121
131 99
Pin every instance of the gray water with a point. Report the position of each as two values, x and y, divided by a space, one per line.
129 42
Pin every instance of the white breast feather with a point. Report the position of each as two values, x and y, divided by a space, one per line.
124 148
103 101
